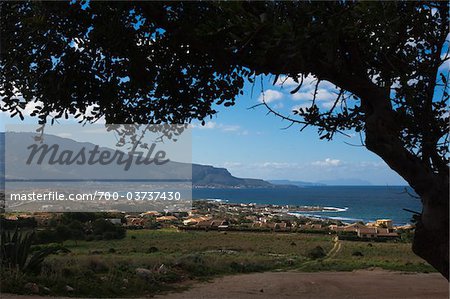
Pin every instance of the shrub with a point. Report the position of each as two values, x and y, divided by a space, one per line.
103 229
152 249
15 251
45 236
97 266
357 253
317 253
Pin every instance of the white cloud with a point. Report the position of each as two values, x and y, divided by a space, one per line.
286 81
278 106
277 165
208 126
229 128
270 95
327 162
232 164
302 105
376 172
309 83
31 106
322 95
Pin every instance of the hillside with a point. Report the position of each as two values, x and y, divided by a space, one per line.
203 176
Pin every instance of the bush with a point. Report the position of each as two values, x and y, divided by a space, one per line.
19 223
16 252
97 266
317 253
45 236
105 230
357 253
61 232
152 249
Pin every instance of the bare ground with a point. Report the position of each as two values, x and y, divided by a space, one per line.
337 285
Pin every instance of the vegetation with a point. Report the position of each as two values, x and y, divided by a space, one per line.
110 268
70 227
170 62
317 253
16 255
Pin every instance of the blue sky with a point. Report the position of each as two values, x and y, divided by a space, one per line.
250 143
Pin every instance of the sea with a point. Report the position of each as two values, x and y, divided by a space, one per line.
347 203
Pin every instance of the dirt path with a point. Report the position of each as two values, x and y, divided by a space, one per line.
337 285
336 248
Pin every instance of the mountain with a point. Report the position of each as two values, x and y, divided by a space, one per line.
209 176
346 182
295 183
202 175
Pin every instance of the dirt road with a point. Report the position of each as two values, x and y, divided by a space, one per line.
337 285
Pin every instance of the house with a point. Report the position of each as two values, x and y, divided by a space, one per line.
310 226
271 225
136 222
405 227
204 224
336 228
193 221
353 227
385 223
367 232
166 219
386 233
150 214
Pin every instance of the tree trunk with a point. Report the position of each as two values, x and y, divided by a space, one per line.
431 239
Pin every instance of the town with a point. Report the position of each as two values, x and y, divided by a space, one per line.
212 215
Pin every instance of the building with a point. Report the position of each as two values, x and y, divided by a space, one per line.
194 221
386 233
150 214
367 232
314 226
385 223
370 232
166 219
136 222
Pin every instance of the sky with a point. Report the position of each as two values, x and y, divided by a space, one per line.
252 144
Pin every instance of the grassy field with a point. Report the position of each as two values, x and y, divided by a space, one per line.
108 268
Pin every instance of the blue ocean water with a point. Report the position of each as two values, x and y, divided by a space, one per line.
365 203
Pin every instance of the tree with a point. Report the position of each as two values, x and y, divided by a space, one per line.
157 62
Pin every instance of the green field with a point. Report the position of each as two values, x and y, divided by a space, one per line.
108 268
